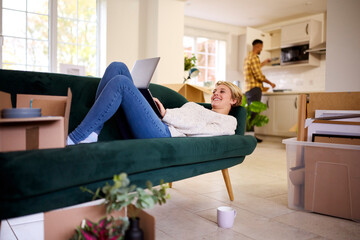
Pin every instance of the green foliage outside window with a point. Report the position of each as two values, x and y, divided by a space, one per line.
27 32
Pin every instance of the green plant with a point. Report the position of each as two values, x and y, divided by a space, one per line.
189 62
256 107
118 196
121 194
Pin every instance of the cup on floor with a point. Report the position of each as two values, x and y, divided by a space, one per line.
225 216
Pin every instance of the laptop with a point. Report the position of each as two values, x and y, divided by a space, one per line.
141 74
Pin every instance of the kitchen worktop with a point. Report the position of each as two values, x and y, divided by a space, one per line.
285 93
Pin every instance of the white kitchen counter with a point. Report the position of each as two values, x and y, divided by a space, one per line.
285 93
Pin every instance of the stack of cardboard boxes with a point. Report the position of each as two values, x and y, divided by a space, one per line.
324 161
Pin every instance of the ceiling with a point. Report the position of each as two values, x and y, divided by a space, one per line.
252 12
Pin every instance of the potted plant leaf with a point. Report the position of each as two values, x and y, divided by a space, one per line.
121 195
255 107
189 67
189 63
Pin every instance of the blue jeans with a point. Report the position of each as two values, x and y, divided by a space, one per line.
116 89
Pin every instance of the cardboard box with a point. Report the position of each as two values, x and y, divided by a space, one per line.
61 224
333 101
31 133
324 178
48 131
331 127
191 92
5 100
308 104
338 139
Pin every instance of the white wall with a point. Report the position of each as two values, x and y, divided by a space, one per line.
170 41
299 79
122 31
343 46
137 29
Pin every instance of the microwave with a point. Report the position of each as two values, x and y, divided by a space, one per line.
294 54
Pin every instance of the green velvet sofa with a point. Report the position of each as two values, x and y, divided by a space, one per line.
42 180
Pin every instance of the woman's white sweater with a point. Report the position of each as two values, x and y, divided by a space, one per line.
194 120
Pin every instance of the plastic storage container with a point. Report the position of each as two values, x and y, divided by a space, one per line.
324 178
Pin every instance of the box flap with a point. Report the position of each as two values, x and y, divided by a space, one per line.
203 89
67 113
174 86
61 223
336 122
302 131
342 139
333 101
5 101
190 92
50 107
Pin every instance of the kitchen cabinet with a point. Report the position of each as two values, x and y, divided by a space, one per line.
282 113
274 46
308 31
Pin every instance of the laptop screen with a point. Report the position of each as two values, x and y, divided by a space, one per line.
143 71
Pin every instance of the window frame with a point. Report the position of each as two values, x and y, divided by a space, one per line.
1 34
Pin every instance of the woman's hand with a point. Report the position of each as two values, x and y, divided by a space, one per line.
160 106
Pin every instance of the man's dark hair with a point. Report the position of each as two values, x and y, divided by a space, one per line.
257 41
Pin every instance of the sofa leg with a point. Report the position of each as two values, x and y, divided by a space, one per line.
226 176
170 184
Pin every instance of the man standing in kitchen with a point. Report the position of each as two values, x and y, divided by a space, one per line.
254 78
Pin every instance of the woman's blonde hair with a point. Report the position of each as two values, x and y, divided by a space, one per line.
235 91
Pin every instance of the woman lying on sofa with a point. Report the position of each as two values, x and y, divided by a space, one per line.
116 89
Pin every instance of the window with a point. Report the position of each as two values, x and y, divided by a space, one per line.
76 36
26 35
39 35
211 59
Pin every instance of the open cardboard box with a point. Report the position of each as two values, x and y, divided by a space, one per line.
48 131
191 92
61 224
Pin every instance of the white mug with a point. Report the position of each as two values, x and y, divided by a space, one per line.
225 216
